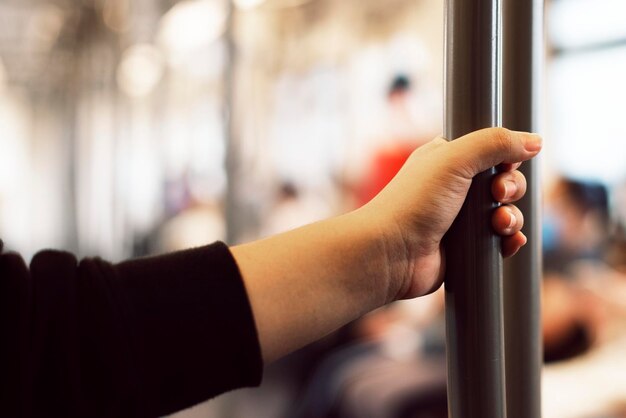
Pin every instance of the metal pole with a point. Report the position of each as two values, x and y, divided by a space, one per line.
474 312
522 65
232 160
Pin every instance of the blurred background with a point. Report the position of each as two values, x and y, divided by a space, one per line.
136 127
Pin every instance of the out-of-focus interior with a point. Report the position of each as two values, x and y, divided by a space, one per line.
139 127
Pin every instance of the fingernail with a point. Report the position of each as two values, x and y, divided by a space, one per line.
510 188
512 220
533 143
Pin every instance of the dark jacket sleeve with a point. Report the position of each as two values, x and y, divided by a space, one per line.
143 338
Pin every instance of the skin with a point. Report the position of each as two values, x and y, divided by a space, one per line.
305 283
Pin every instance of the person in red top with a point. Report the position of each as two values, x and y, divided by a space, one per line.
402 138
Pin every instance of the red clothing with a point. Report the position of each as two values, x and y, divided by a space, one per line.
383 168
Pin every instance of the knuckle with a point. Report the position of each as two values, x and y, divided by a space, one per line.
520 178
503 139
519 216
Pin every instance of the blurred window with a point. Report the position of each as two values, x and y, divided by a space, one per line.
587 90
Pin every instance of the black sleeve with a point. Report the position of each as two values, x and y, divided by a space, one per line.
143 338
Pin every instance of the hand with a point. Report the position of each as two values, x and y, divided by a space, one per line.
418 206
307 282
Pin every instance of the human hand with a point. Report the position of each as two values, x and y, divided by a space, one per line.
307 282
418 206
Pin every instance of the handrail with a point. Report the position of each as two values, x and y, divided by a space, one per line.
473 283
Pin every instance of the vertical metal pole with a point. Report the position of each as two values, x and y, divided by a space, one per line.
232 162
474 312
522 67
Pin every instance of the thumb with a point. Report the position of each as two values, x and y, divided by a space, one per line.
480 150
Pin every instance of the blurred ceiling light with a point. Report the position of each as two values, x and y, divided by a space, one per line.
140 70
583 23
190 26
206 66
248 4
116 13
45 26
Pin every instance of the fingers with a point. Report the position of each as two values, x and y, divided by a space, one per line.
512 244
508 187
480 150
508 221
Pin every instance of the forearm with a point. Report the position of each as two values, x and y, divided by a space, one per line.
305 283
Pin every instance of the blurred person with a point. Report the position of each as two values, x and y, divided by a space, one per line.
583 303
576 223
616 254
576 250
583 308
395 332
401 138
151 336
402 133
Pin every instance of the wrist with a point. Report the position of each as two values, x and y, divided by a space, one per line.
387 256
411 266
